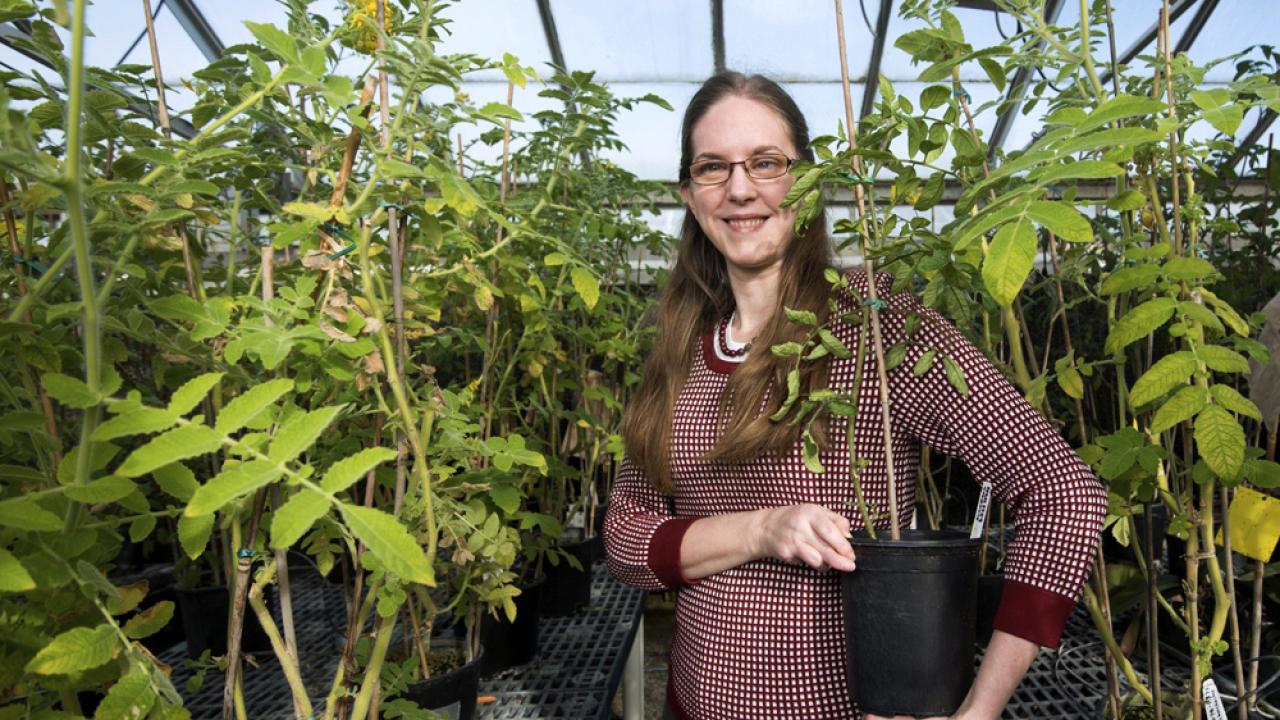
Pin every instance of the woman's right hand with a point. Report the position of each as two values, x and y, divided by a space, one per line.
805 535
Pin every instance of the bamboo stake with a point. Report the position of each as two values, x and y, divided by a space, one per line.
235 626
873 300
1066 328
1259 570
487 392
1153 622
1231 597
290 644
1173 133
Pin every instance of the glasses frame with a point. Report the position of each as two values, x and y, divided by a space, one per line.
790 164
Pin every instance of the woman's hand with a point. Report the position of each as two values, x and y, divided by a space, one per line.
805 535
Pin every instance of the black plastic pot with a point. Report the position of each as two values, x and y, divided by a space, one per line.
205 612
909 622
567 589
990 590
508 644
452 693
1113 551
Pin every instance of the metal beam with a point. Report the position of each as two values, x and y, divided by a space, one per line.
1254 136
717 34
1018 88
1176 9
1198 22
201 32
872 85
553 37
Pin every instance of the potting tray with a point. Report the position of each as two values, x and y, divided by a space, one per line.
575 674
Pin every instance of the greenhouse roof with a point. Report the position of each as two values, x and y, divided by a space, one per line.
668 47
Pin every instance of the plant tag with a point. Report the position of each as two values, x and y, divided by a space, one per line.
980 520
1213 709
577 520
1255 524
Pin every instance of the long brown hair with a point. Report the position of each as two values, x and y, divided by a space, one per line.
697 295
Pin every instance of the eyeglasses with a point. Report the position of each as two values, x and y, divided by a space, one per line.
765 166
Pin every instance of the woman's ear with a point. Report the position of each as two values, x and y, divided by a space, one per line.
686 195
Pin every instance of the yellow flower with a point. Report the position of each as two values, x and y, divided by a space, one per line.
362 24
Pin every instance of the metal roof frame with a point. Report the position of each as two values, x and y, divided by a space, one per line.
1017 88
197 27
1176 9
872 84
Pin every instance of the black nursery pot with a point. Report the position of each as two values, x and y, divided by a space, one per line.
453 693
508 644
205 611
567 589
909 622
990 590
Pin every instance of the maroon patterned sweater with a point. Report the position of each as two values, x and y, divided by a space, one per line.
766 639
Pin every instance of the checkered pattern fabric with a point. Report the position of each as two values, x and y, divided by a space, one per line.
766 639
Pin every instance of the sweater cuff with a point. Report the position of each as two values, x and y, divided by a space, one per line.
1033 614
664 552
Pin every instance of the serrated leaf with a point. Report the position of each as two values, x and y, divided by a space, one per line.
275 40
1223 359
233 482
812 462
134 422
787 349
955 376
1263 473
25 514
506 497
1127 201
802 317
177 480
180 443
1166 374
833 344
346 471
131 698
1140 322
293 519
13 576
1184 405
141 528
390 542
75 650
69 391
193 534
149 621
245 407
1220 441
1071 382
1135 277
1189 268
587 286
1227 397
1119 107
103 490
300 432
192 392
1009 260
1062 219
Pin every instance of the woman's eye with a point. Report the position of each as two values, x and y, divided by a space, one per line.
711 167
764 164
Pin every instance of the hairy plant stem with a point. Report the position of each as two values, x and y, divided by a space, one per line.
381 640
1091 604
873 300
286 655
235 625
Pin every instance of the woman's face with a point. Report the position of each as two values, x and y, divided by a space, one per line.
742 216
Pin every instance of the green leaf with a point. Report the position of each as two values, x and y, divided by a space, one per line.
176 480
192 392
74 651
1062 219
955 376
894 357
1109 138
390 542
131 697
233 482
134 422
275 40
1166 374
1184 405
1223 359
506 497
1134 277
1227 397
833 344
13 576
1263 473
293 519
1071 382
180 443
141 527
787 349
587 286
300 432
812 462
1127 201
193 534
69 391
1189 268
103 490
801 317
346 471
501 110
793 394
1140 322
1009 261
1220 441
1117 108
25 514
22 421
1078 170
924 363
245 407
149 621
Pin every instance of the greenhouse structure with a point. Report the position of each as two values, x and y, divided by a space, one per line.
704 360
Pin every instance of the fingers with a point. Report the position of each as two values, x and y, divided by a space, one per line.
810 535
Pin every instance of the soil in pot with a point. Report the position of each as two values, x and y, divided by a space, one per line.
511 643
453 685
909 612
205 611
567 590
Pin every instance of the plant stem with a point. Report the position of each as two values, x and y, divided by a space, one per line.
1153 622
285 654
235 626
1231 596
372 672
1091 604
286 612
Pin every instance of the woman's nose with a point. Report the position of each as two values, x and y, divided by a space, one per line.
740 186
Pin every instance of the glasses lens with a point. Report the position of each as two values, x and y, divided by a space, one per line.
709 172
765 167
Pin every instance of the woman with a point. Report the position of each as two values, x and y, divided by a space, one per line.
714 499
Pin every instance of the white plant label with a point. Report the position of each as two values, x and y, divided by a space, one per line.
980 520
1213 709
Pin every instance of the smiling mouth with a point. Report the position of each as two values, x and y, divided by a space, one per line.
746 224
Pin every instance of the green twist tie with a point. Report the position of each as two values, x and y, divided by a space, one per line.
860 179
36 265
337 231
343 252
246 552
876 303
385 205
960 92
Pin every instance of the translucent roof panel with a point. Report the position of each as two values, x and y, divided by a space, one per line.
636 41
651 133
823 104
489 28
793 42
179 56
1222 36
227 17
